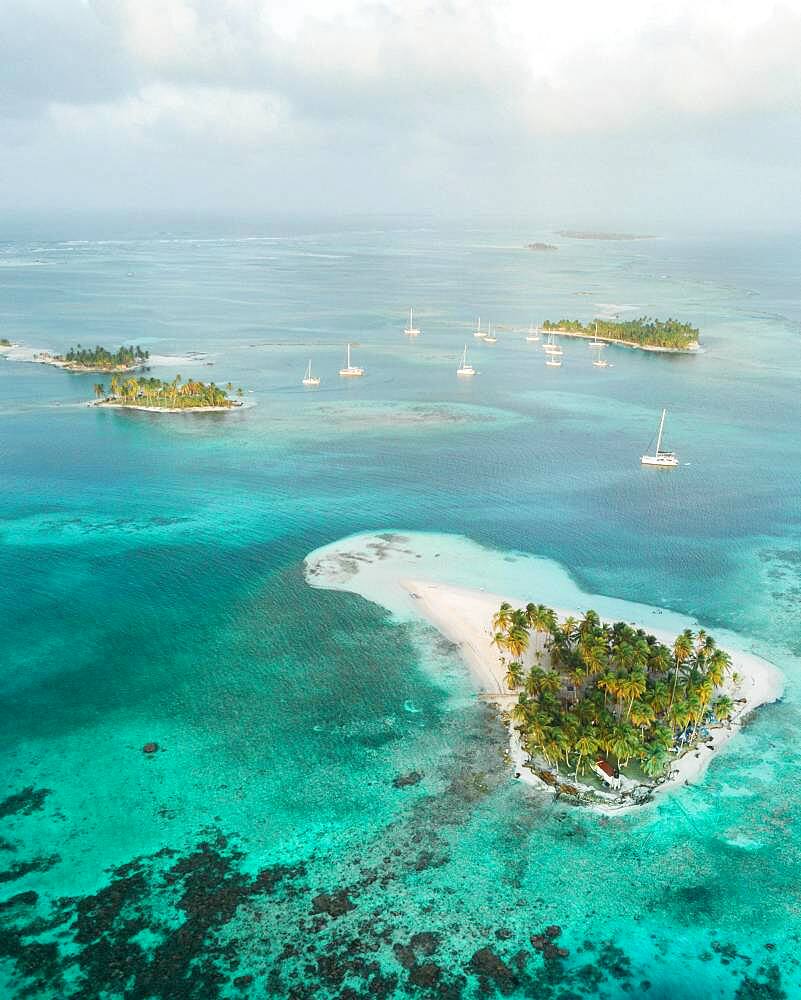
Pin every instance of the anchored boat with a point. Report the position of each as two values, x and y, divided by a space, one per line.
661 459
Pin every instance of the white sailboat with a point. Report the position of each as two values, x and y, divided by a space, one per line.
308 378
551 346
554 361
411 330
465 368
599 361
349 369
479 332
595 342
533 334
661 459
489 336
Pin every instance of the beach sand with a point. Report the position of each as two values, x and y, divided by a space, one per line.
420 576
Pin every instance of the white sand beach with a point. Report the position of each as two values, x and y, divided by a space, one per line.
422 576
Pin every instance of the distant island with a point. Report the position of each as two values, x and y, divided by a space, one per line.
167 397
578 234
98 359
610 699
541 246
646 333
4 342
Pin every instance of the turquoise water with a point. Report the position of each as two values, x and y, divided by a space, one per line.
152 590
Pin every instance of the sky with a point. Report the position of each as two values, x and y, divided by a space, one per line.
623 113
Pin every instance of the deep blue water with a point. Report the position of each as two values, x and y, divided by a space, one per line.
151 588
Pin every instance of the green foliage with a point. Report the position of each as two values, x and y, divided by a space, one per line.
99 357
644 331
609 689
176 395
5 342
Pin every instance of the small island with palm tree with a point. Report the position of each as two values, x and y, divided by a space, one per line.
609 700
668 336
97 359
155 395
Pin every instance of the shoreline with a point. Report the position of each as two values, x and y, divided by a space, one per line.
653 348
399 572
102 405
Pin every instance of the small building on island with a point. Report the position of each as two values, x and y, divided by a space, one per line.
609 775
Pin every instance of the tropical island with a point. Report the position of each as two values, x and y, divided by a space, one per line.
5 342
600 712
176 396
668 335
611 699
98 359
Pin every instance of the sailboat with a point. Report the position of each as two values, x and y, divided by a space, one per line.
479 332
308 378
465 368
411 330
551 347
554 361
599 361
489 336
661 459
595 342
533 334
349 369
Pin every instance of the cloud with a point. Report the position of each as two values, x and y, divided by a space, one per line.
376 101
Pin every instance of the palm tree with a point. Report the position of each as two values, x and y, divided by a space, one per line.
500 640
514 675
641 715
502 618
631 687
585 746
99 390
550 682
534 681
541 619
517 641
607 682
682 651
723 707
656 760
717 666
569 629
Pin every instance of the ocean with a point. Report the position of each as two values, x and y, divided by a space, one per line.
152 590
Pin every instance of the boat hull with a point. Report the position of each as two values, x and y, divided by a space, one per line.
351 372
660 461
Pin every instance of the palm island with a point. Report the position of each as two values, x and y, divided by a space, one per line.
606 699
669 335
99 359
177 396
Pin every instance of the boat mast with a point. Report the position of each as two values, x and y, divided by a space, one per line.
348 355
659 437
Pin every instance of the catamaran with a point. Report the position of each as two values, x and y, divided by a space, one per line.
489 336
465 368
661 459
533 334
551 347
411 330
349 369
479 332
308 378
